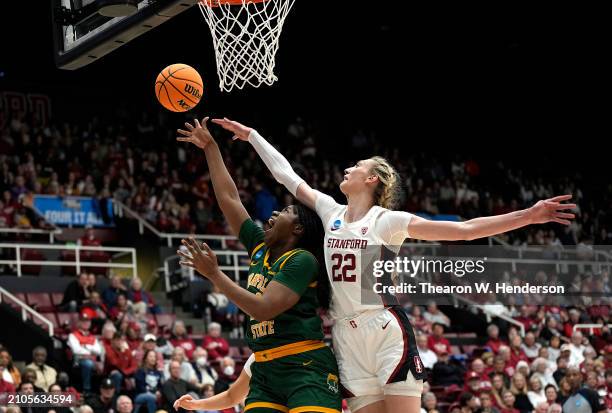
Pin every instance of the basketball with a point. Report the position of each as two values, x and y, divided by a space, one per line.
179 87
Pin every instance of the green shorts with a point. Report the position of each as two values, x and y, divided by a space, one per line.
304 382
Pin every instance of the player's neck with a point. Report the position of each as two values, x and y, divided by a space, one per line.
358 206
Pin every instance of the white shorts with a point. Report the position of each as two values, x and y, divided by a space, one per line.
377 355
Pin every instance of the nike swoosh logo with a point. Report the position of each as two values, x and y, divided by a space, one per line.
306 363
385 326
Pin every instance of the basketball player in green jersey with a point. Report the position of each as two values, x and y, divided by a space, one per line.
294 371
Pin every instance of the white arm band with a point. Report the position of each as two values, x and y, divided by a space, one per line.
277 164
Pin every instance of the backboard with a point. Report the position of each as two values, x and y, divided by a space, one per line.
85 30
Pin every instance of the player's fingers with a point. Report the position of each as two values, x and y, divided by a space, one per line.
561 221
186 264
184 132
204 122
189 126
181 139
184 255
207 249
197 123
565 215
186 243
561 198
195 244
567 206
234 137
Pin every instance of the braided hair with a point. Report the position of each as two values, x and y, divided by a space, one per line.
312 241
388 191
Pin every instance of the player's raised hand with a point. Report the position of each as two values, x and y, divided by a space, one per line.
186 402
552 210
197 133
238 129
200 257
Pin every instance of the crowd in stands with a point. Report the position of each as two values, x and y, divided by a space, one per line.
140 164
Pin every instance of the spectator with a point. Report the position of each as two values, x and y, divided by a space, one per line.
175 387
205 374
114 289
124 404
417 320
577 349
57 389
428 357
181 339
97 306
76 293
516 353
228 374
122 310
29 375
103 403
518 387
554 349
540 368
27 388
119 361
86 350
499 384
132 333
5 386
140 297
10 373
550 329
434 315
486 403
148 383
494 341
509 401
541 407
429 403
444 373
562 364
45 374
565 390
586 399
216 346
436 340
149 344
187 372
222 309
555 408
536 392
550 391
468 402
530 347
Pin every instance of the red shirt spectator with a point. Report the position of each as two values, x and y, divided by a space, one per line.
216 345
6 387
436 341
119 357
494 342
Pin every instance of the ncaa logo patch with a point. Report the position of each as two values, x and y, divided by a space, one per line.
336 225
418 365
364 230
258 255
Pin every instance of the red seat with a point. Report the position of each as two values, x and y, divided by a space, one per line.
165 320
9 301
56 298
31 255
53 318
40 301
48 316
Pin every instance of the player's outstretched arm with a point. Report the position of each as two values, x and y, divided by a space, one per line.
277 298
277 164
229 398
549 210
224 186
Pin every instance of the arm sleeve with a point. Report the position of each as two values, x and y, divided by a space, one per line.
277 164
325 206
392 227
298 272
250 235
247 365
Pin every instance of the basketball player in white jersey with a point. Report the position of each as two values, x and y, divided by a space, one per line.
380 368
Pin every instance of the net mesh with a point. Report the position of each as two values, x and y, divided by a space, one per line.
246 38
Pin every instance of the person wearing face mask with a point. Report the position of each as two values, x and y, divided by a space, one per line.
204 373
228 375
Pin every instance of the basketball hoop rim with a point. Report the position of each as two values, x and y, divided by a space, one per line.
217 3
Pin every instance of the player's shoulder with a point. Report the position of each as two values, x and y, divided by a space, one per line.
299 256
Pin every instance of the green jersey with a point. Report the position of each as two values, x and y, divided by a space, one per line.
296 269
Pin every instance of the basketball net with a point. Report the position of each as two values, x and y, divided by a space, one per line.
245 37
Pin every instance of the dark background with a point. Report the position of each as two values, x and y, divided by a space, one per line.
513 80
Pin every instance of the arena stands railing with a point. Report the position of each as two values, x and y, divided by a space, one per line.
8 298
19 262
51 233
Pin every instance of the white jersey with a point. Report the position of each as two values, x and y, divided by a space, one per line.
351 249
